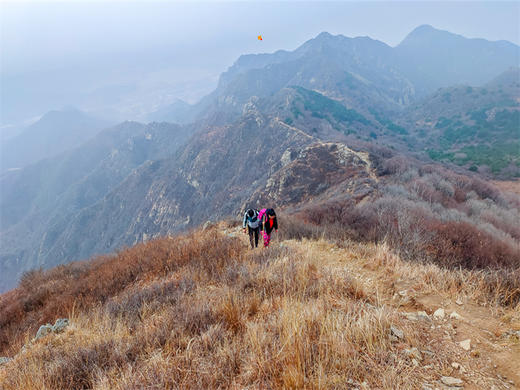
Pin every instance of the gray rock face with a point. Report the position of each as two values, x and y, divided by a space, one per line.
46 329
60 325
321 170
450 381
455 316
4 360
43 331
396 332
410 316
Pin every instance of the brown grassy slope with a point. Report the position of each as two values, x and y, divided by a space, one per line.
428 214
201 311
45 295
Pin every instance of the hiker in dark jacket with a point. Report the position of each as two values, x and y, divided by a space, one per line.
269 223
253 226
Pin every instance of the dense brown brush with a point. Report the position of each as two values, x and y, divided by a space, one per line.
75 368
505 286
395 165
485 190
44 296
461 244
513 229
426 191
449 229
338 220
296 228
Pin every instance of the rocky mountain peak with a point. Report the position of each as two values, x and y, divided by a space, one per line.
426 33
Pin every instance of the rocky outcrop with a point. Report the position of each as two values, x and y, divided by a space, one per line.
4 360
58 327
44 330
326 169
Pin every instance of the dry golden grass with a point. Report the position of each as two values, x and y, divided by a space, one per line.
208 313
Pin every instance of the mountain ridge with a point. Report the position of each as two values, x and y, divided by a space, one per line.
398 81
266 116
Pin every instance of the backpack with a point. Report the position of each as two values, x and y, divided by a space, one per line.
254 221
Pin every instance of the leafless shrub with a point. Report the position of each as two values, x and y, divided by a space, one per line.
425 190
462 244
408 175
397 191
395 165
486 190
445 188
297 228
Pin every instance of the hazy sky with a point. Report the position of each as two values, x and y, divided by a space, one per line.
77 44
48 35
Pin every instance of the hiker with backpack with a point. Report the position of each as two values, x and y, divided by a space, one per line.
253 226
269 223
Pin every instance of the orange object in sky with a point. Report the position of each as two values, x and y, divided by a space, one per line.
259 37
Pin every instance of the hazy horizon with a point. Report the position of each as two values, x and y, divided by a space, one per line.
122 59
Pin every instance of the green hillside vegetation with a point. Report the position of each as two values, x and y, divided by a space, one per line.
322 107
394 128
477 128
504 124
494 143
496 157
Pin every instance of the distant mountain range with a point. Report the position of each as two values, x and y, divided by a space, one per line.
53 133
433 59
179 112
361 72
280 129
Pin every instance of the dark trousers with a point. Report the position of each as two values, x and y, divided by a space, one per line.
255 233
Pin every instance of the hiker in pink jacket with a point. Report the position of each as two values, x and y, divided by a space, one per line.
268 222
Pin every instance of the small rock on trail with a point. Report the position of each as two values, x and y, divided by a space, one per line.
466 344
439 314
396 332
455 316
451 381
